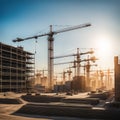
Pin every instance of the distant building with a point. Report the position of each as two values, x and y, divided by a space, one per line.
68 86
78 84
16 69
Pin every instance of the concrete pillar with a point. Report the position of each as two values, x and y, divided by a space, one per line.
117 79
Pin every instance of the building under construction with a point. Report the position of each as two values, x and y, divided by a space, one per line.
16 69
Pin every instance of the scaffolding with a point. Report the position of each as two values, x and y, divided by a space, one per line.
16 69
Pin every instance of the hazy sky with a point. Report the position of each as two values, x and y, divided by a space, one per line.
24 18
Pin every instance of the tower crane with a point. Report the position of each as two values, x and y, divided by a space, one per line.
51 47
69 72
78 60
40 75
87 66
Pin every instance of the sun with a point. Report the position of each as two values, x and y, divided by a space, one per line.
103 48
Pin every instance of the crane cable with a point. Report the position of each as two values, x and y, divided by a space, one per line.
35 45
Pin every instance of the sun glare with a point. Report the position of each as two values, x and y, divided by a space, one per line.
104 52
104 48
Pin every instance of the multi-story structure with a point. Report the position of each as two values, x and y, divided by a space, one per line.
16 68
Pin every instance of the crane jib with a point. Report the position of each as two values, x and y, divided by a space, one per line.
51 33
72 28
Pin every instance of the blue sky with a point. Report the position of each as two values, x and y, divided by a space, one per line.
23 18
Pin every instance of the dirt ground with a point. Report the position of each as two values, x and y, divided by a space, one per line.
7 111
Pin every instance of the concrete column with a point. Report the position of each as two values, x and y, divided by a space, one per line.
117 79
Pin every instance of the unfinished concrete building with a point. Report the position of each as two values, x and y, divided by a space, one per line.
16 69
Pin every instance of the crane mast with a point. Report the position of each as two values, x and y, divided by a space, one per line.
50 61
51 47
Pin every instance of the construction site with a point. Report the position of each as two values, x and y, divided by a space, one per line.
78 77
80 90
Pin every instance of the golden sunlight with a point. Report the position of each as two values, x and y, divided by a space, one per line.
103 48
104 52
